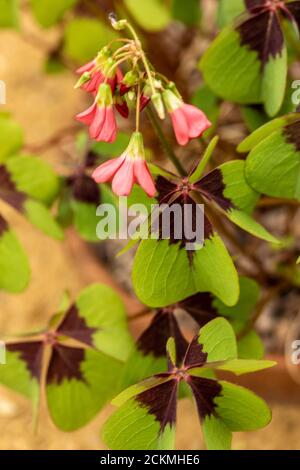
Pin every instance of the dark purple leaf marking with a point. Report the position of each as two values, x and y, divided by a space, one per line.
292 134
65 364
200 308
74 326
3 225
205 391
293 9
31 353
161 401
154 339
262 33
195 356
85 189
8 190
250 4
212 187
181 193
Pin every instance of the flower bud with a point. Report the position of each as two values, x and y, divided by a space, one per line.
130 78
85 77
118 25
158 105
171 86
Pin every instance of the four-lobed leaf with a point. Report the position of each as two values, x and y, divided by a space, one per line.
146 414
82 365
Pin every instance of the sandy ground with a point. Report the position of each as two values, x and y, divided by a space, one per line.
43 105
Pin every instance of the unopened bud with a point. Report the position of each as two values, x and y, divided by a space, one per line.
118 25
130 78
171 86
85 77
158 105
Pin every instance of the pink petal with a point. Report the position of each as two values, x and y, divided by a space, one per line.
98 122
119 75
107 170
88 115
196 119
86 68
122 108
94 83
144 102
144 178
180 126
108 132
123 180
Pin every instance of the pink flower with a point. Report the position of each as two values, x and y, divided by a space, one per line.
188 121
128 169
98 71
100 117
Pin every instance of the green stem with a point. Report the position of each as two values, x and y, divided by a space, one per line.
166 145
143 57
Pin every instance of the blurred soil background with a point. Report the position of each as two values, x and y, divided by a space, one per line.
45 105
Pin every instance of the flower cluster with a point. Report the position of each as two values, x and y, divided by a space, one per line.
140 85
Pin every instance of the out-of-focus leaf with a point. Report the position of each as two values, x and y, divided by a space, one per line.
9 13
84 37
11 137
14 267
34 177
187 12
49 12
151 15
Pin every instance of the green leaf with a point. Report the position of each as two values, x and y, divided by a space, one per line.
11 137
103 309
240 409
216 434
84 37
187 12
245 366
16 376
232 71
73 403
244 197
236 187
49 12
247 223
14 267
260 134
112 150
251 346
85 220
218 340
151 15
139 366
273 166
132 427
34 177
163 274
41 217
228 10
273 90
9 13
138 388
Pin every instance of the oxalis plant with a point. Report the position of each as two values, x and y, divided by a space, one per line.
203 311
